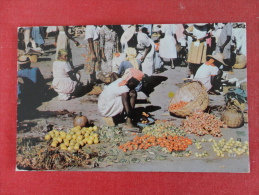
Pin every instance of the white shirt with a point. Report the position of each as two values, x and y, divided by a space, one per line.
204 74
91 31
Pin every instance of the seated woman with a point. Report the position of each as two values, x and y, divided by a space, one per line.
210 73
66 81
33 81
130 62
120 96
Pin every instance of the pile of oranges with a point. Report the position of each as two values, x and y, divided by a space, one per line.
177 105
171 143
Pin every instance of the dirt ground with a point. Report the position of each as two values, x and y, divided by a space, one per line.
156 104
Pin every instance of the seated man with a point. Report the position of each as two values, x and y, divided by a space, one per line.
33 81
210 73
120 96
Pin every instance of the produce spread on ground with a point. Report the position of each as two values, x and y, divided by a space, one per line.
71 135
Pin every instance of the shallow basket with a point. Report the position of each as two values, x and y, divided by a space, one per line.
194 93
240 62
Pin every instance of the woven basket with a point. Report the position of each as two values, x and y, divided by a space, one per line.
194 93
243 86
233 116
240 62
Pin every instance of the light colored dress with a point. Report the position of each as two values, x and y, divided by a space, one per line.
62 42
226 31
197 52
62 83
108 41
92 32
110 100
143 42
167 48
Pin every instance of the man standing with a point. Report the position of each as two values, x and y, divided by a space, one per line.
224 44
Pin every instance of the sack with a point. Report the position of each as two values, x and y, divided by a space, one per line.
236 93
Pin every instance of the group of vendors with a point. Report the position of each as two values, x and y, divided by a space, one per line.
103 42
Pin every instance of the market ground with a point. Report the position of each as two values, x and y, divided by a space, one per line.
169 80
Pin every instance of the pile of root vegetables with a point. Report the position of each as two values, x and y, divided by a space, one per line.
200 123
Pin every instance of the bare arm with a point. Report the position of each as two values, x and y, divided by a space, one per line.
91 46
126 104
224 45
147 50
189 34
69 36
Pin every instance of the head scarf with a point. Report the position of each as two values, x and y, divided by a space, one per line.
131 57
129 73
62 52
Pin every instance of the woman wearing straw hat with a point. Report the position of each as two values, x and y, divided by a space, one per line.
210 73
197 53
33 81
120 96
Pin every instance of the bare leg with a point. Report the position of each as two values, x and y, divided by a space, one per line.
172 63
133 97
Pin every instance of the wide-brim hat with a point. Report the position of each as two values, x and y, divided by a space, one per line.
219 57
126 36
200 24
23 60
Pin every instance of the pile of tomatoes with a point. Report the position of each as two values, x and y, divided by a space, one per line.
171 143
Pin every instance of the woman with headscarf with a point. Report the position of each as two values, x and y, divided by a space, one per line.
120 96
130 62
65 81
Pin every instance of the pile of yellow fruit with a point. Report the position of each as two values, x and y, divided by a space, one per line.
231 147
75 138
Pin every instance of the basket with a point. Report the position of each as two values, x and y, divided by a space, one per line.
33 58
240 62
104 77
243 86
233 116
194 93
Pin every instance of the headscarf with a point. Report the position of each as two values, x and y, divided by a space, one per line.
62 52
131 57
129 73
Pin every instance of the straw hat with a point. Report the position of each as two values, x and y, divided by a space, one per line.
126 36
219 57
23 60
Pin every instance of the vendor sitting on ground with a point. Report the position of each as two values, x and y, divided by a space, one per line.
210 73
120 96
130 62
33 81
66 81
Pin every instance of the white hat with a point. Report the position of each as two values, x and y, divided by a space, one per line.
200 24
126 36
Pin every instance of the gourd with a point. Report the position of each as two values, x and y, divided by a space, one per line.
80 120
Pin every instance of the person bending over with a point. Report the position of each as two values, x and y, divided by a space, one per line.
120 96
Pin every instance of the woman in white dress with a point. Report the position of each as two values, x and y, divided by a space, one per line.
168 41
120 96
66 82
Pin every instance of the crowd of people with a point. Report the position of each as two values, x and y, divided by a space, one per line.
130 53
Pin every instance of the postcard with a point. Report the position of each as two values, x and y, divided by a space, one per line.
137 97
